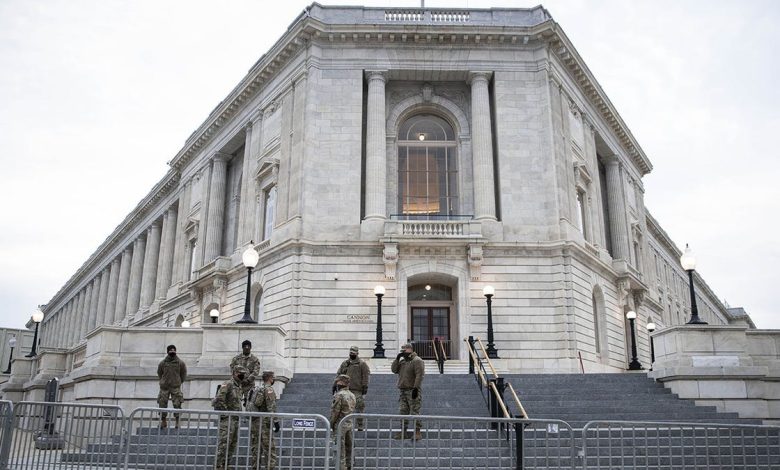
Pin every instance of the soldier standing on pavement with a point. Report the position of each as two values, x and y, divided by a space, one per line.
343 405
252 365
411 370
228 399
359 374
263 399
172 372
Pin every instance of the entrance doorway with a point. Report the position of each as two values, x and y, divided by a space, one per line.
430 308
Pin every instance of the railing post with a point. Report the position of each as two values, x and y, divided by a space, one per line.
471 362
519 428
492 403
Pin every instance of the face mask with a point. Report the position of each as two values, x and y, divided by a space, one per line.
353 356
407 354
241 376
172 353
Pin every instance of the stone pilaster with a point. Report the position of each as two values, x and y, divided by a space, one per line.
102 297
84 326
216 209
482 147
376 155
111 297
136 272
93 306
205 183
78 318
617 210
165 267
247 209
149 272
123 284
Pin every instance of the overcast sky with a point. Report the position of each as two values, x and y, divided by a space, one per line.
96 97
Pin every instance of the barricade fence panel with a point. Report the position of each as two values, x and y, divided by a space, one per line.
658 445
203 439
370 441
65 435
6 430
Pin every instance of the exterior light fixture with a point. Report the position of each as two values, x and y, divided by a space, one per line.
37 318
250 257
421 136
688 262
185 324
634 364
489 292
650 328
214 314
379 350
12 344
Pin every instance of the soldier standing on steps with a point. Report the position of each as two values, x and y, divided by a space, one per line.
263 399
252 365
343 405
172 372
411 370
228 399
359 374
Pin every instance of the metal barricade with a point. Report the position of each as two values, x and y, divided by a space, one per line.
6 431
659 445
301 442
454 442
65 435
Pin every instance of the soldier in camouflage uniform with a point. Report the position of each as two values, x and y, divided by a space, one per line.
411 370
228 399
263 399
343 405
172 372
359 374
252 365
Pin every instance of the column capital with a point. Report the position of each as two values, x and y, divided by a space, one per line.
221 156
479 76
611 159
380 75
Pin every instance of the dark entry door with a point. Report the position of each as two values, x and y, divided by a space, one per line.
429 323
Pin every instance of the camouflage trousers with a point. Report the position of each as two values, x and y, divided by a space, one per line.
175 395
410 406
346 449
360 406
226 445
263 444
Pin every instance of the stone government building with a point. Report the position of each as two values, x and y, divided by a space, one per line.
429 151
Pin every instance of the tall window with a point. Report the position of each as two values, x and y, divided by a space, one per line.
581 217
270 212
192 248
427 168
605 206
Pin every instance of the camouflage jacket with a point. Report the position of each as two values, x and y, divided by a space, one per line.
343 405
228 397
410 371
262 398
252 364
172 372
357 371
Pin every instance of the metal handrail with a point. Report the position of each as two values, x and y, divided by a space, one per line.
490 363
517 400
499 400
443 351
478 367
435 352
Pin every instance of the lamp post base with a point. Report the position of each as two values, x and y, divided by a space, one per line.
635 365
246 321
379 352
695 320
492 352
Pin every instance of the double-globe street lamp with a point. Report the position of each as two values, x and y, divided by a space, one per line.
37 318
12 344
688 262
634 364
489 292
379 350
250 257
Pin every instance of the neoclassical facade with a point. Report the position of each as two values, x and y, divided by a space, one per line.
432 152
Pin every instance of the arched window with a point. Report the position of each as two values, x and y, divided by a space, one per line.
179 320
427 168
259 307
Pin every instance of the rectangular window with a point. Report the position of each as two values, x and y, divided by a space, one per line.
427 180
605 206
270 213
581 213
192 250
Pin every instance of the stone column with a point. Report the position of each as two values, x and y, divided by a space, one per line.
84 324
74 317
617 210
376 155
205 183
165 268
216 212
123 284
482 147
246 219
149 273
102 297
111 297
136 272
78 318
93 305
181 241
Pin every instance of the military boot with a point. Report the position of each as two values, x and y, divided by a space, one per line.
417 435
176 418
163 422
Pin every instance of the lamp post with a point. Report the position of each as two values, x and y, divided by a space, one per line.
214 314
12 343
489 292
250 259
634 365
688 262
37 317
379 350
650 328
